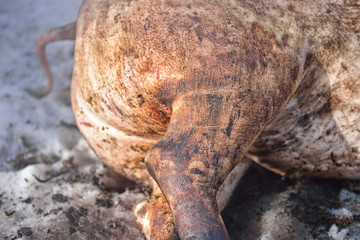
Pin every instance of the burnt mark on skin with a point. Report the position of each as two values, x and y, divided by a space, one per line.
194 18
214 103
141 99
177 145
278 145
294 72
328 131
197 171
215 162
250 61
228 57
117 17
89 100
147 24
233 117
113 107
304 120
199 33
229 127
139 148
165 118
308 60
334 160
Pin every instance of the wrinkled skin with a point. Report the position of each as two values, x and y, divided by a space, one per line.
174 94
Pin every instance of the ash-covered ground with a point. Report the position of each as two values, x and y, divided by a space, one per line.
52 186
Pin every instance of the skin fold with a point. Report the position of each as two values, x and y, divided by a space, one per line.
182 95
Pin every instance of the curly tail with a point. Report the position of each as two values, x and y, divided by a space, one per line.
67 32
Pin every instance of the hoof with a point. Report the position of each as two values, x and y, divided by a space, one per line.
155 218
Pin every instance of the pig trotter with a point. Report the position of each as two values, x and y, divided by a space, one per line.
66 32
154 214
155 218
193 159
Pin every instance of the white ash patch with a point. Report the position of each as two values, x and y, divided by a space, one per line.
342 212
267 236
350 201
346 195
335 234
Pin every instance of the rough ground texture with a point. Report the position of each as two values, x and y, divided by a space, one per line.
52 186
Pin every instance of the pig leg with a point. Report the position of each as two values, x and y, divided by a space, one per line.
155 218
66 32
228 186
154 215
206 139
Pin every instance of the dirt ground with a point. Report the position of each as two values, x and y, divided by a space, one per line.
52 186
